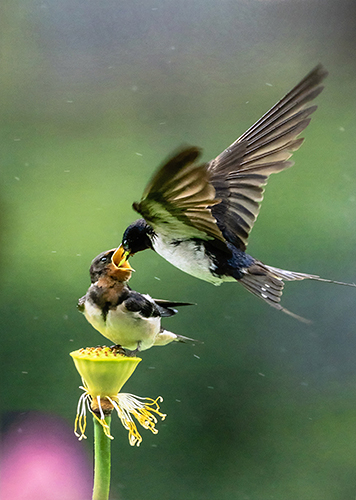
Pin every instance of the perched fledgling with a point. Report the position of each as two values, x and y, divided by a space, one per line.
127 318
198 216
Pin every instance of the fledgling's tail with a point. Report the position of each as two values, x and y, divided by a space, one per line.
187 340
267 283
165 337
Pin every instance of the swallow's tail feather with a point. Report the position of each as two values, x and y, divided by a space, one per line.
187 340
267 283
166 308
172 303
165 337
292 276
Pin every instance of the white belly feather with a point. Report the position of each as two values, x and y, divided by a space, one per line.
124 328
189 257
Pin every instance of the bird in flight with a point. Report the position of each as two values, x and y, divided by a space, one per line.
129 319
198 216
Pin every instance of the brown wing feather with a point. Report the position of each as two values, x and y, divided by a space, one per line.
222 200
240 173
178 197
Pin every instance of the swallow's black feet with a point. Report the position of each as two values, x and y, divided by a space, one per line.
126 352
132 354
119 349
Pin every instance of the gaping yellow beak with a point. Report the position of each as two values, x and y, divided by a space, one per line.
119 259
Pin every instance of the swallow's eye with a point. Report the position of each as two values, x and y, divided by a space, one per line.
103 259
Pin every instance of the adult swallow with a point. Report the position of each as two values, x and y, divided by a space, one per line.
199 216
127 318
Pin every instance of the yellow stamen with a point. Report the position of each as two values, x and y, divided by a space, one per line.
101 402
141 409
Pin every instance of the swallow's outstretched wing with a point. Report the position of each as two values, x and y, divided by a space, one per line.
221 200
240 173
178 198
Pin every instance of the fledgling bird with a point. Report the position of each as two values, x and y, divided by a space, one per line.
127 318
198 216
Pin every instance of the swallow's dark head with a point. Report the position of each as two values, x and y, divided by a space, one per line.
137 237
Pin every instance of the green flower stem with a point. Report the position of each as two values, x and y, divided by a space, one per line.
102 461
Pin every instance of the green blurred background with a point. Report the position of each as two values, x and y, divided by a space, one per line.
94 96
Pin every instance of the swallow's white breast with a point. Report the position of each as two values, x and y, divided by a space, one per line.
124 327
189 256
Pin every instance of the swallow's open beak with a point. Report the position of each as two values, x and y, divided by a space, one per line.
119 259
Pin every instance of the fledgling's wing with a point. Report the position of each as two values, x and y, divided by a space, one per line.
178 198
81 303
142 304
167 307
240 173
148 307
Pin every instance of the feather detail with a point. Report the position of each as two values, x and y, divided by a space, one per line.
165 337
259 280
178 198
221 200
267 283
166 308
240 173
